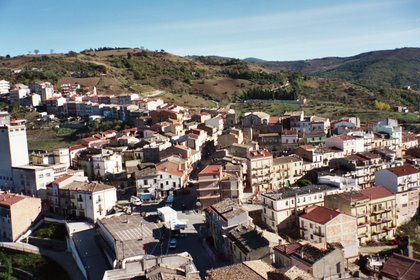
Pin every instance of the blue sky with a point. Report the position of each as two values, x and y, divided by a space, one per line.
272 30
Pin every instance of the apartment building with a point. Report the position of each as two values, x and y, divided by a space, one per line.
259 170
91 200
404 182
286 171
221 218
344 142
13 152
374 209
323 225
17 213
281 209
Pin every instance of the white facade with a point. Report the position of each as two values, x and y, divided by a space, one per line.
32 180
107 163
4 86
13 152
343 142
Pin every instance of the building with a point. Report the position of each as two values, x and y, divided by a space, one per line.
17 213
281 209
13 152
374 208
4 86
252 119
173 266
323 263
286 171
4 118
33 179
260 170
91 200
404 181
400 267
106 164
246 243
208 189
323 225
221 218
344 142
124 236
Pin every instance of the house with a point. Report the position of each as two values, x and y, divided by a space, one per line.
374 209
17 213
252 119
221 218
323 225
400 267
404 181
326 262
33 179
91 200
228 137
208 185
246 243
260 170
344 142
106 164
289 137
314 137
281 208
286 170
4 86
392 129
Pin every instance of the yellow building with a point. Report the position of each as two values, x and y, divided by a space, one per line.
374 208
286 171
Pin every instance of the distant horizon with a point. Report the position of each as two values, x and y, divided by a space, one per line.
241 58
271 30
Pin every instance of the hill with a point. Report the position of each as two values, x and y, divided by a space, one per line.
388 68
203 80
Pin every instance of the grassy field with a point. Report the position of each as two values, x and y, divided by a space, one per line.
40 266
49 138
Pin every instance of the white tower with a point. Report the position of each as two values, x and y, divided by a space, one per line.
13 152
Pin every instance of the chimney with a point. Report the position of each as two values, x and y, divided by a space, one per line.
280 241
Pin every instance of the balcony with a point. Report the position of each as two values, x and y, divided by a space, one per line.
210 188
303 228
359 225
209 196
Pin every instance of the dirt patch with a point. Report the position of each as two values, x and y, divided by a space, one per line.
219 89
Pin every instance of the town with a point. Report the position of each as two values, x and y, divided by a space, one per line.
198 193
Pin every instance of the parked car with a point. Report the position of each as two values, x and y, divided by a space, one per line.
172 243
135 200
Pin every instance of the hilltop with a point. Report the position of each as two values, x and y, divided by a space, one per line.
386 68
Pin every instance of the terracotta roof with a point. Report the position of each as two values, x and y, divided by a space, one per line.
320 215
61 179
376 192
401 267
403 170
76 147
273 120
289 132
307 147
288 248
238 271
260 153
8 199
171 168
87 186
211 170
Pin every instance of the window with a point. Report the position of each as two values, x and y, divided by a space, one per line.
311 225
338 267
145 182
312 236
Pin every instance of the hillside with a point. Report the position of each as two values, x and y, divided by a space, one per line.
196 80
388 68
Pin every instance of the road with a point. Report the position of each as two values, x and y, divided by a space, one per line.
190 241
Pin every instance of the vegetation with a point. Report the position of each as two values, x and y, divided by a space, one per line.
303 182
40 266
382 106
51 231
412 230
266 94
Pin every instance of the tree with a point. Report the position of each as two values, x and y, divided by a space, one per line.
7 55
36 51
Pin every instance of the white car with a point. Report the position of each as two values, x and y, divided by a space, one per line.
135 200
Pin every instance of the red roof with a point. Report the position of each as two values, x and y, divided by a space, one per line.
289 132
307 147
288 248
61 179
76 147
320 215
273 120
403 170
171 168
211 170
376 192
260 153
8 199
401 267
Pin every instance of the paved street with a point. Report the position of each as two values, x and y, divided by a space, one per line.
190 240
